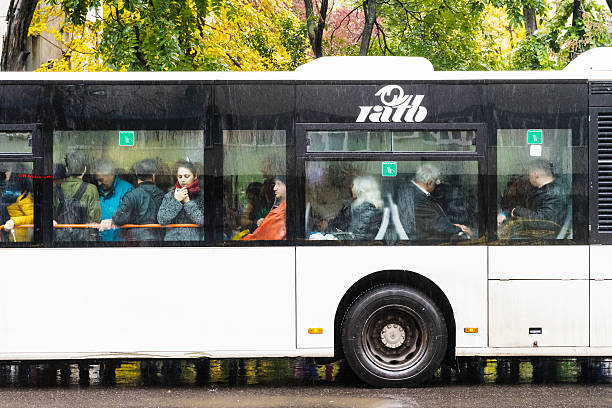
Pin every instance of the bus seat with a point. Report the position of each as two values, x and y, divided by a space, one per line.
383 225
306 218
397 223
566 229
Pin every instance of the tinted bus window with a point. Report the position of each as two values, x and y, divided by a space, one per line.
16 202
391 141
128 185
421 201
254 184
15 142
534 184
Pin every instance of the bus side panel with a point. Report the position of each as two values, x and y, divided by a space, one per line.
101 300
324 274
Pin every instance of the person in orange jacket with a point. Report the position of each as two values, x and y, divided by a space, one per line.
19 202
274 225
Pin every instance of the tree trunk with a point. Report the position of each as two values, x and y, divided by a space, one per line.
577 12
315 24
577 18
14 52
531 24
369 10
609 4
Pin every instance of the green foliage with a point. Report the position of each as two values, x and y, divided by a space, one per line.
187 35
449 34
557 41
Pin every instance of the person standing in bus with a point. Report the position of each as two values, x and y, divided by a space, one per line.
89 202
140 205
183 204
545 208
274 225
430 219
112 190
366 215
17 199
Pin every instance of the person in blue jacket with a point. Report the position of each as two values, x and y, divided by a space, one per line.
112 190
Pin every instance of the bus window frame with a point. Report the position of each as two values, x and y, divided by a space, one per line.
39 181
303 156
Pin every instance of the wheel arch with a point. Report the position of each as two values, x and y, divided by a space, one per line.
401 277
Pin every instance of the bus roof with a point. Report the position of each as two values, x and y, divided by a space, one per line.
595 64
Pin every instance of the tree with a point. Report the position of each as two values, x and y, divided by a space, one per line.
14 50
158 35
450 35
563 37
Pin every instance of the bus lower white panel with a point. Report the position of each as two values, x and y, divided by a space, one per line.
539 262
147 299
324 275
601 313
534 352
601 259
539 313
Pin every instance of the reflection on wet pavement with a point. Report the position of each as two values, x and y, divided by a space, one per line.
290 371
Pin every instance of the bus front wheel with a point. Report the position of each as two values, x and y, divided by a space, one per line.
394 336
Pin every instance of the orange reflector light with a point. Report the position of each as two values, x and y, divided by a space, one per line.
315 330
470 330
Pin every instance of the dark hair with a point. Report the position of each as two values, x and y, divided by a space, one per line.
543 165
186 165
254 188
145 169
75 162
59 171
282 178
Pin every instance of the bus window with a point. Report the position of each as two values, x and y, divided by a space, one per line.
534 182
421 201
15 142
110 185
16 202
253 167
391 141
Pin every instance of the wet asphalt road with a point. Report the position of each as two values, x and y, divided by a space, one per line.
259 383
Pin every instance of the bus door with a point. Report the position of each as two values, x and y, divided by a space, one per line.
538 257
21 176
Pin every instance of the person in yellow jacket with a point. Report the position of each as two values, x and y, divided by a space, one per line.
19 203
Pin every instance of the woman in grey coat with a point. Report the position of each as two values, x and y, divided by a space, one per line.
184 204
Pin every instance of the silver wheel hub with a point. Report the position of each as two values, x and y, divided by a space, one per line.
393 335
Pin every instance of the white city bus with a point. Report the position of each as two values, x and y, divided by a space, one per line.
416 226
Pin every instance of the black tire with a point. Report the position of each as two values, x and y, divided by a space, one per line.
394 336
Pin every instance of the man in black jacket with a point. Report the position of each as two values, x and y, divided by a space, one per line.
140 206
423 218
545 209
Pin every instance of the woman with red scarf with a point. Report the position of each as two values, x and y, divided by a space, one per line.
183 204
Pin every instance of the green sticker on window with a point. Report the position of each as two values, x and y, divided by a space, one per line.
126 138
534 136
389 169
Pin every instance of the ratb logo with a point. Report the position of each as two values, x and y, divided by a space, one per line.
396 107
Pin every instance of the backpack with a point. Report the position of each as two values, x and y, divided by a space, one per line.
71 211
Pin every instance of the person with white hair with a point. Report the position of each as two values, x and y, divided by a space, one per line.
430 221
366 209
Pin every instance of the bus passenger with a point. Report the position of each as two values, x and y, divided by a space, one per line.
140 205
366 215
111 189
274 226
183 204
430 219
256 210
16 191
545 209
87 202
